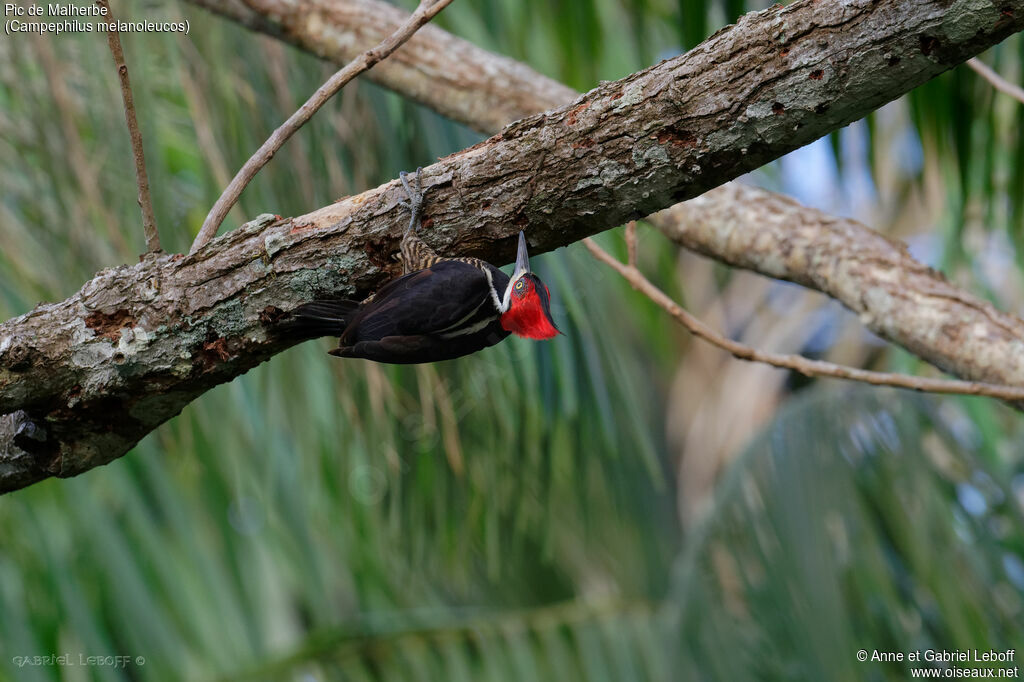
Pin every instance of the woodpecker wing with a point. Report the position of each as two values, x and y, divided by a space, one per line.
449 299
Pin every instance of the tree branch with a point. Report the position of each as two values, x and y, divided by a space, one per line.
796 363
95 373
426 11
895 296
995 80
141 178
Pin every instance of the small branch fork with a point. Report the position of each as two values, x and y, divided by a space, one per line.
995 80
141 179
797 363
426 11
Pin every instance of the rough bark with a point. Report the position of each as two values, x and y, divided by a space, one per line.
95 373
894 295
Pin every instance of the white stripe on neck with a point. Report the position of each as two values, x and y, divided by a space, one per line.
499 305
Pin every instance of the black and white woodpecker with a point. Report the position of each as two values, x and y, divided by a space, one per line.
440 308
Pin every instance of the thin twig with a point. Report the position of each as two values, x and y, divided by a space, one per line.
141 179
631 243
424 13
796 363
997 81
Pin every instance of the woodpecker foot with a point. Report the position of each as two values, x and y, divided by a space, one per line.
415 202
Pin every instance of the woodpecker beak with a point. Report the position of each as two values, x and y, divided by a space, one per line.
522 267
522 258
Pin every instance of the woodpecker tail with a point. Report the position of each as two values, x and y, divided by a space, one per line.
316 319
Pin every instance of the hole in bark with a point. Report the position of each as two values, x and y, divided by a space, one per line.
34 440
17 358
929 44
817 74
379 253
777 108
893 60
270 315
821 108
212 352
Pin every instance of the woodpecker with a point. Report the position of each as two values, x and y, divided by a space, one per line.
438 309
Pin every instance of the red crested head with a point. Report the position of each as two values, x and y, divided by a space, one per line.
526 307
529 310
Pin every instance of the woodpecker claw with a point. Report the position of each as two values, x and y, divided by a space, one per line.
415 202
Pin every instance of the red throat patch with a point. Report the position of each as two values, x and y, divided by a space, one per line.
526 316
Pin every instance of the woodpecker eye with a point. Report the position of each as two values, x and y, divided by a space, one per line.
519 286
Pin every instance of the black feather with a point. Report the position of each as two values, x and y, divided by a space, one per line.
441 312
316 319
418 317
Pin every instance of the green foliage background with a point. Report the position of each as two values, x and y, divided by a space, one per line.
517 514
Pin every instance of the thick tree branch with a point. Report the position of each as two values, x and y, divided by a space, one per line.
894 295
95 373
